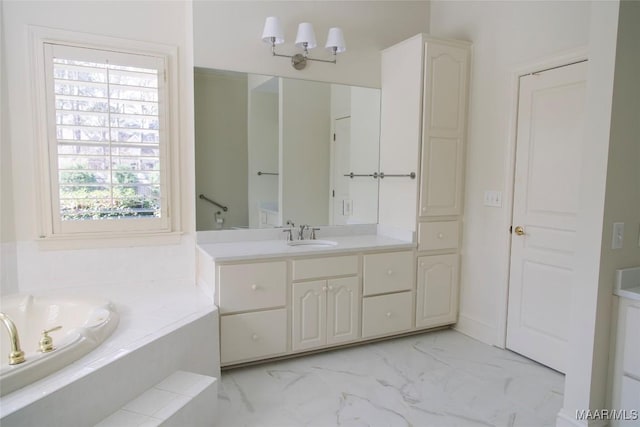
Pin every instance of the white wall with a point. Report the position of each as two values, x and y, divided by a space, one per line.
221 148
227 35
8 267
167 22
505 36
611 178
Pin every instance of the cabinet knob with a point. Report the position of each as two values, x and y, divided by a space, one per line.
330 287
424 209
255 337
389 272
421 263
440 235
388 314
324 289
254 287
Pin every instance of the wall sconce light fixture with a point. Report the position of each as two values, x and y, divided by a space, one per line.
306 39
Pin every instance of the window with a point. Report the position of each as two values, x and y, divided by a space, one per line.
108 142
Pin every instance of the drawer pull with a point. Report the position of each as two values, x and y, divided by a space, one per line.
254 287
440 235
255 337
389 272
388 314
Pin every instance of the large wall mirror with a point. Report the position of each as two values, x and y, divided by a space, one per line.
272 149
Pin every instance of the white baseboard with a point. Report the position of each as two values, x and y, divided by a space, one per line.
477 330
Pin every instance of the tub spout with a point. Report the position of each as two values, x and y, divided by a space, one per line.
17 355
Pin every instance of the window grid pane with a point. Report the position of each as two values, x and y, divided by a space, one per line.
108 135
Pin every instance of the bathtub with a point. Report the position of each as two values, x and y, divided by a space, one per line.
86 322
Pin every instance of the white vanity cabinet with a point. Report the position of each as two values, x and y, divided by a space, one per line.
626 382
252 299
388 284
325 307
422 130
425 82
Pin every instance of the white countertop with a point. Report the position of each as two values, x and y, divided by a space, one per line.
245 250
628 283
632 293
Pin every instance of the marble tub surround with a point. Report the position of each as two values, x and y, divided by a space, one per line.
148 312
440 378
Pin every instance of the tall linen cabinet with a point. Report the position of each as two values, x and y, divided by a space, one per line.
425 84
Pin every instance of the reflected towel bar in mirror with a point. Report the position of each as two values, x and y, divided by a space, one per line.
354 175
411 175
382 175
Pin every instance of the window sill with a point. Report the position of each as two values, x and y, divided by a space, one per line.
111 240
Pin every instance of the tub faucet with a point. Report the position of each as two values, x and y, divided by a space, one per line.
17 355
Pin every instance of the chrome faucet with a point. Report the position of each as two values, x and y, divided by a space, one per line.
313 233
301 231
17 355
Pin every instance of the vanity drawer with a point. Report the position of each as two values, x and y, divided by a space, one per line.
244 287
386 314
325 267
252 335
388 272
438 235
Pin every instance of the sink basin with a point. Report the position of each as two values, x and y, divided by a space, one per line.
312 243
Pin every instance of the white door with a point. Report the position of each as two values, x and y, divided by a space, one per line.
343 309
309 314
550 131
340 200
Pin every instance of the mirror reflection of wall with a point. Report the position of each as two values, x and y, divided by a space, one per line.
274 149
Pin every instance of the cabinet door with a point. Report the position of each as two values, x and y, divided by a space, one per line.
443 133
309 314
343 310
631 352
437 290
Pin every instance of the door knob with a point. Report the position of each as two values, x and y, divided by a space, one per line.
519 230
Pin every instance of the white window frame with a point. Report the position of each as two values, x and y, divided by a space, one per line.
128 231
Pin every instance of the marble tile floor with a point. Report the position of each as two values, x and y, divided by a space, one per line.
439 379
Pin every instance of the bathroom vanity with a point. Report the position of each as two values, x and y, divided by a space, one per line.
276 300
626 363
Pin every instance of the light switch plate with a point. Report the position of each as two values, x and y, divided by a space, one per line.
347 207
493 198
618 235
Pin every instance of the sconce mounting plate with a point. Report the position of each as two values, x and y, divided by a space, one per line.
298 61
